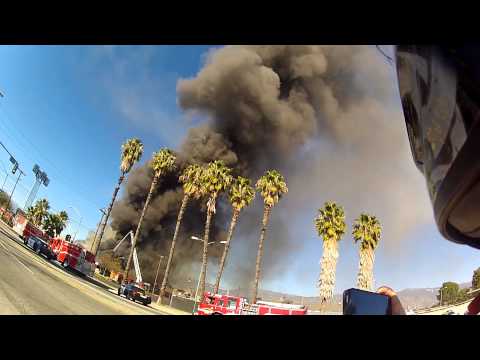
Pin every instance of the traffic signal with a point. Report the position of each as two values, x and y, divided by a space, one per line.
15 168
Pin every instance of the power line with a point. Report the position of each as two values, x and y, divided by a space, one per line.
9 153
57 172
4 167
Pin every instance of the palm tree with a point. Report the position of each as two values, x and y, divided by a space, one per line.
162 163
366 229
63 216
192 188
50 224
215 179
55 223
330 224
272 187
241 195
30 213
38 212
132 151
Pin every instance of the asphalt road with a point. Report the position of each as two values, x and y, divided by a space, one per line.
30 284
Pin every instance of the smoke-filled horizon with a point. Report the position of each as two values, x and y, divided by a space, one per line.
324 116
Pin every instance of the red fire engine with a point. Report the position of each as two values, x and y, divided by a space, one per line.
25 228
234 305
73 256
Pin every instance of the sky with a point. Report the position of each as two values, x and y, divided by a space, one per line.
69 109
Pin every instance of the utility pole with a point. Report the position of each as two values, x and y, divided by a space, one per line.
92 247
14 170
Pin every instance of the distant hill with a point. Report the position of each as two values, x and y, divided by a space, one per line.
422 297
411 298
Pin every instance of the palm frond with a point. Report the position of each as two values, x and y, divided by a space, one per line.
132 151
163 161
368 230
272 187
191 179
241 193
330 221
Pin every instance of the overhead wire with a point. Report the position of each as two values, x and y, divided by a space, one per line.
30 143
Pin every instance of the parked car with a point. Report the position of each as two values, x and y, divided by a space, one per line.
40 246
135 293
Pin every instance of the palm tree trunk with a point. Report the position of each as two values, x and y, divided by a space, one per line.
172 247
96 245
326 281
266 215
139 226
203 273
365 271
233 223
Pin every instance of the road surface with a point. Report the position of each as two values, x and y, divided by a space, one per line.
29 284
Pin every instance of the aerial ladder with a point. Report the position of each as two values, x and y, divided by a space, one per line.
136 264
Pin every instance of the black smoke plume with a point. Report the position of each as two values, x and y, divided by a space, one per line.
270 107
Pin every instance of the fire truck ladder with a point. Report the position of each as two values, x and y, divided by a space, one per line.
136 264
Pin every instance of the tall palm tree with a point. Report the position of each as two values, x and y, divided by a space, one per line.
215 179
330 224
192 188
272 187
162 163
241 194
366 229
132 151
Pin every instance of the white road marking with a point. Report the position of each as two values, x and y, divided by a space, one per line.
15 257
80 283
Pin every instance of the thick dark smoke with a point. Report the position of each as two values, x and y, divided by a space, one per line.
312 112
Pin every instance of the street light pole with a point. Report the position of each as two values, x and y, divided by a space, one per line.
199 275
196 292
158 268
11 194
6 177
79 222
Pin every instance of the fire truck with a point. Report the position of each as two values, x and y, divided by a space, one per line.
73 256
25 228
215 304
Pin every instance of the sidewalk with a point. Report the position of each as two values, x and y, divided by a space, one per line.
167 309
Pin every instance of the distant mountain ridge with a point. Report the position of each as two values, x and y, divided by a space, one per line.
411 298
